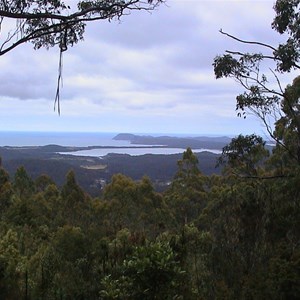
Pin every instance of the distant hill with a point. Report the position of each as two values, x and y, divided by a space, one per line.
201 142
92 172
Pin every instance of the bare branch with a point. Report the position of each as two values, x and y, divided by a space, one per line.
278 81
247 42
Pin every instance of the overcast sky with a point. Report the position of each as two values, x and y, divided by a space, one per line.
149 73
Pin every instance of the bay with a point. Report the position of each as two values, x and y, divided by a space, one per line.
135 151
85 139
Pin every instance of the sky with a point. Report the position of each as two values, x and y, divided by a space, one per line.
147 73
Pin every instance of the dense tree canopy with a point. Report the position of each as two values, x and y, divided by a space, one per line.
218 237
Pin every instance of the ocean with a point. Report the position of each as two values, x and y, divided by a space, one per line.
72 139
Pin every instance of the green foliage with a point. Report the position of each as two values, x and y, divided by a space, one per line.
195 249
287 128
23 184
234 236
70 243
258 98
71 192
42 182
54 23
132 205
266 98
222 237
186 195
244 155
151 272
287 21
228 66
11 265
5 191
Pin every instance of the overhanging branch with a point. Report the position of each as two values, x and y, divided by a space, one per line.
46 24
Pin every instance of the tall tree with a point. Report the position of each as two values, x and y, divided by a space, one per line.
5 190
255 222
23 184
244 156
187 195
264 95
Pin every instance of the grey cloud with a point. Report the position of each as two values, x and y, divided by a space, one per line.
159 63
142 30
30 75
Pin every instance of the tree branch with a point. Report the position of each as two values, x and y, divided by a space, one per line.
113 10
278 81
46 24
55 28
242 54
247 42
96 9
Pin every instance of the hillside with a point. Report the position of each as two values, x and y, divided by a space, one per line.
93 172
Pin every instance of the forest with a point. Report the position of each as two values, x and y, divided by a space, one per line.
206 237
229 236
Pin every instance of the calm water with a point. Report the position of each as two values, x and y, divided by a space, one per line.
134 152
76 139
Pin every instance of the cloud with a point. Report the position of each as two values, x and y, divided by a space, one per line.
27 74
148 72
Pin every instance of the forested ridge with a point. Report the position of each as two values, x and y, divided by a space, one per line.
93 172
206 237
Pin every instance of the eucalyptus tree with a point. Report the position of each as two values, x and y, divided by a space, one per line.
244 156
264 95
186 195
255 221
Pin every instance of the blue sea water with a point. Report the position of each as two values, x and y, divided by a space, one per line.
73 139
